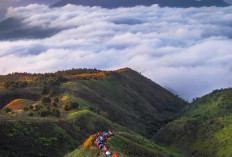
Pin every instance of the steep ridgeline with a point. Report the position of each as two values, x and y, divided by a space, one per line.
131 3
205 129
124 96
129 99
53 114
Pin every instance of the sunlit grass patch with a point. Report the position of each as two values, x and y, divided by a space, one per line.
19 104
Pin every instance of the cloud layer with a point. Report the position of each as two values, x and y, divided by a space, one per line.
185 50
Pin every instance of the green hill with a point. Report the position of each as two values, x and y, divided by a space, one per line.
35 136
205 129
52 114
123 96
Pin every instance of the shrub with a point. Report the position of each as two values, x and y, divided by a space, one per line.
22 84
7 110
10 85
13 85
55 112
70 105
7 84
38 107
54 104
44 112
45 99
56 99
44 90
31 107
26 108
51 93
59 79
48 141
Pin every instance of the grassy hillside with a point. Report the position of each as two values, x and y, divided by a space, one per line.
205 129
123 96
47 136
52 114
36 136
125 144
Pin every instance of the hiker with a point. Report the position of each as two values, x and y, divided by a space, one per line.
108 153
100 142
98 134
107 135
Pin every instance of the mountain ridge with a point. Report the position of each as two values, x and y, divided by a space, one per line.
75 104
110 4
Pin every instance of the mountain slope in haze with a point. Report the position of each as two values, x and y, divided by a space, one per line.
9 31
205 129
131 3
51 114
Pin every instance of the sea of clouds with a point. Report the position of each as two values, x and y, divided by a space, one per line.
186 50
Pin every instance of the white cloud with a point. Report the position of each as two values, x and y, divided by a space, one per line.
186 50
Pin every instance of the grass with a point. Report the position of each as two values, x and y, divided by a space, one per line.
120 100
48 141
19 104
124 144
81 152
76 115
205 130
61 132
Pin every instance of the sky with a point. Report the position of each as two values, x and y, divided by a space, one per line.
186 50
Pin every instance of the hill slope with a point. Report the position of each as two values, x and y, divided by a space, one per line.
34 136
51 114
205 129
123 96
125 144
131 3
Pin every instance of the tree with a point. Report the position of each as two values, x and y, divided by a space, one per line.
26 108
56 99
44 112
54 104
70 105
55 112
38 107
44 90
7 110
52 93
45 99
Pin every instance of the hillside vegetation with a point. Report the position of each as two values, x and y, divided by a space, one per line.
52 114
205 129
33 136
123 96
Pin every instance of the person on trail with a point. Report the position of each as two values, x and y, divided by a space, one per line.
102 140
107 135
100 146
108 153
98 134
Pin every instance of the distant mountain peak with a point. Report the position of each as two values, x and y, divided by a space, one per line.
131 3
